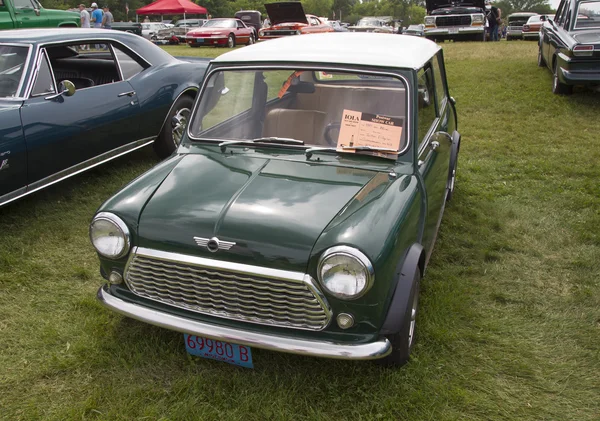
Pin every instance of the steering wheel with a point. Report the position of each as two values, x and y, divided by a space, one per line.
327 133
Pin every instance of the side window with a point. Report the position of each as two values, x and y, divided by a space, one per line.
23 4
426 106
240 24
129 66
44 83
440 82
86 65
560 12
314 21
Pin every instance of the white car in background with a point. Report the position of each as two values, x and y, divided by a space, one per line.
150 29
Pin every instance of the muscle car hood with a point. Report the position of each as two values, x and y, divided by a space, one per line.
437 4
273 210
286 12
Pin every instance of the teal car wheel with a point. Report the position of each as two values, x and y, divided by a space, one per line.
174 129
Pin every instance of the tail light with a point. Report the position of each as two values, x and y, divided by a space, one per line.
583 50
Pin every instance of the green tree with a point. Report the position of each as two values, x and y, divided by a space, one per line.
318 7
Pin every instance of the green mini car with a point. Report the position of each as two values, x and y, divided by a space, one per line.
300 210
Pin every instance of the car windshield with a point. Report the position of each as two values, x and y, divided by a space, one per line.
12 62
220 24
369 22
588 15
534 19
317 108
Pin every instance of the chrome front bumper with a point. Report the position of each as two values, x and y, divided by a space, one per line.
325 349
458 30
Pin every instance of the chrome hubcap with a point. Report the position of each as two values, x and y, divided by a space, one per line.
230 43
413 318
179 123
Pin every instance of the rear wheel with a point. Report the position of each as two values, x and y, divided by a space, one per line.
541 62
250 39
558 87
170 137
231 41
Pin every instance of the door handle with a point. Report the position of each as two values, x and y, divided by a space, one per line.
434 145
130 93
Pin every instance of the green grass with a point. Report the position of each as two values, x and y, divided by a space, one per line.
510 321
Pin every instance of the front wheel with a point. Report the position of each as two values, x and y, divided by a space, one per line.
231 41
403 341
172 133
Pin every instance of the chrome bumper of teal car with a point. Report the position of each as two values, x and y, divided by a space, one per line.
365 351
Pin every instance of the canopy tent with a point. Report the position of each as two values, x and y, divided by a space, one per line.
171 7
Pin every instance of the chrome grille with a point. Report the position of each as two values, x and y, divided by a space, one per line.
442 21
223 293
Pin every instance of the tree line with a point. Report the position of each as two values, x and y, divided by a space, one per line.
409 11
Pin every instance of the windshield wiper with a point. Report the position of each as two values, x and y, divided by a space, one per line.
270 139
309 152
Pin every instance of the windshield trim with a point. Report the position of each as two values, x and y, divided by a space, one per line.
18 93
329 68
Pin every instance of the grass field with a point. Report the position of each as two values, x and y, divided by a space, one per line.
509 326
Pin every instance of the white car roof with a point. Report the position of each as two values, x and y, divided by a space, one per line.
368 49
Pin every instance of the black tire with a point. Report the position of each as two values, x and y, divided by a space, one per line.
231 41
250 39
170 137
541 61
558 87
452 169
403 341
508 38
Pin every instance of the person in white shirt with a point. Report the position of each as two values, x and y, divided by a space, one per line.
84 16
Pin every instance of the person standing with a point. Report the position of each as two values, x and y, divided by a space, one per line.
494 19
96 16
107 20
84 16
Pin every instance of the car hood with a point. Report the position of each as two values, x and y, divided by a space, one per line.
286 12
273 210
437 4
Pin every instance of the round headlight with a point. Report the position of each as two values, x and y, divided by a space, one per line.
109 235
345 272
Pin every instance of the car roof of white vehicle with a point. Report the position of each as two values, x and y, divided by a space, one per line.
354 48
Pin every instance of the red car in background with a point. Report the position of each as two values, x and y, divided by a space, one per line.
221 32
531 30
288 18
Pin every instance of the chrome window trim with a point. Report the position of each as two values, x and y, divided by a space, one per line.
119 63
114 55
239 268
22 82
43 54
76 169
358 255
327 67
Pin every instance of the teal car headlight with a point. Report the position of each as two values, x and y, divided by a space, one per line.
345 272
110 235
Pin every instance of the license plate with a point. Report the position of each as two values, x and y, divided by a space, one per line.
453 30
218 350
200 41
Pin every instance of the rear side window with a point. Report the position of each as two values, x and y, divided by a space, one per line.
440 82
426 104
128 64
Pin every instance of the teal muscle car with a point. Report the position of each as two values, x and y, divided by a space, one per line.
300 210
71 99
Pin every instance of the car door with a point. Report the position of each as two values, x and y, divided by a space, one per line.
29 14
68 133
435 120
242 33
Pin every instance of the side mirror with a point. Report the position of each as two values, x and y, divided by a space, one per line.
452 100
66 88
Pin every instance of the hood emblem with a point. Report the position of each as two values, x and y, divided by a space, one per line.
214 244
